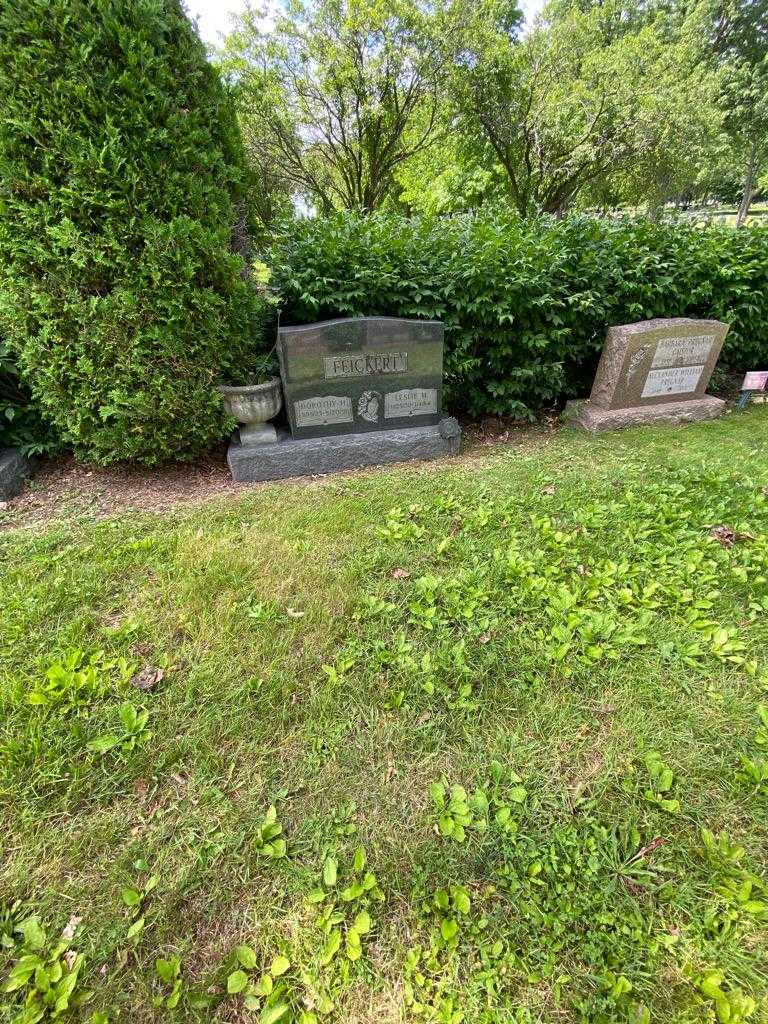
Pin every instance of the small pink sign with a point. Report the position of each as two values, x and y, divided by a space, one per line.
755 381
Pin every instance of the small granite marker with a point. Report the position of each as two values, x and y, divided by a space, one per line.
753 388
15 468
656 371
358 392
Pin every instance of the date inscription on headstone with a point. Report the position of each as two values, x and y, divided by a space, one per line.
370 373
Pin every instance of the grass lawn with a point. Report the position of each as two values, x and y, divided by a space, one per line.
478 741
757 214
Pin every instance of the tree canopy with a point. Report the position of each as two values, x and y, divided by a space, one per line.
442 105
337 95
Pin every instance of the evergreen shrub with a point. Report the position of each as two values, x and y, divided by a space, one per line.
122 181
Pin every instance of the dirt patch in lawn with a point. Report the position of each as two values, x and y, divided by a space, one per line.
64 489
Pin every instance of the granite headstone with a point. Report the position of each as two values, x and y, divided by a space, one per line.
656 371
359 375
15 468
357 392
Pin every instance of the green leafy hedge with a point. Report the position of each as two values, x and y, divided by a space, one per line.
121 188
526 305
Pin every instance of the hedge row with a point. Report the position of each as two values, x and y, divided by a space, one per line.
526 305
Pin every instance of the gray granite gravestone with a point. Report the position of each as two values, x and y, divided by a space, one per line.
15 468
353 376
358 392
656 371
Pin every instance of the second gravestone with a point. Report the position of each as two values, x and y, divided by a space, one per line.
656 371
358 392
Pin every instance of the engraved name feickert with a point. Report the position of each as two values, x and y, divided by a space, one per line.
364 364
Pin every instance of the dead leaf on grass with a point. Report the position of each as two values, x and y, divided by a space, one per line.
400 574
647 850
148 678
605 709
484 638
576 789
549 489
727 537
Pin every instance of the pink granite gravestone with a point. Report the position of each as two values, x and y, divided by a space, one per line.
755 380
656 371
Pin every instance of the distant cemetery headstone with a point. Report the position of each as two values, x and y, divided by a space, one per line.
656 371
353 376
357 392
753 388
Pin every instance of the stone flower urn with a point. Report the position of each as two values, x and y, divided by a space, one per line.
253 406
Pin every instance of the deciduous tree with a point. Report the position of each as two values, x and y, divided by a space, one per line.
337 95
565 107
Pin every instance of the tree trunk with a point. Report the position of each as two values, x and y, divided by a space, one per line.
749 186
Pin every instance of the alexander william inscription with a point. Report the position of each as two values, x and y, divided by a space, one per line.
362 364
359 375
672 380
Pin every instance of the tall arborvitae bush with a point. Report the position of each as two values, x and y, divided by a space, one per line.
121 182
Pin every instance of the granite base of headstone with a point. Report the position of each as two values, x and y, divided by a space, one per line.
358 392
656 371
15 469
316 456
